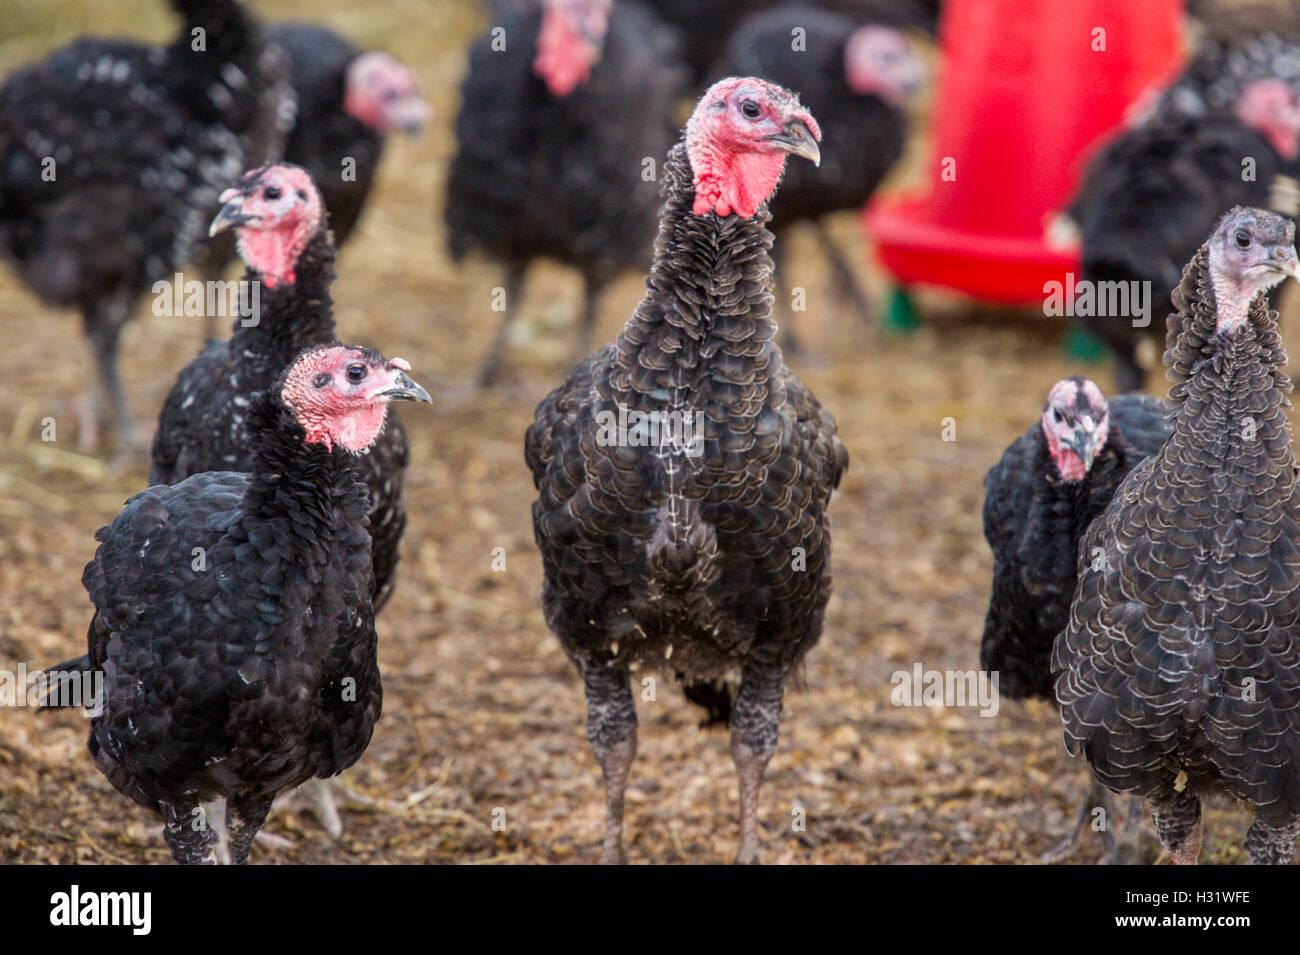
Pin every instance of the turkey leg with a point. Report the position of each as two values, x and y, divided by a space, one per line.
755 723
611 731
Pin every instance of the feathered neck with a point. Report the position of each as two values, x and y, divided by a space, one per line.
706 318
1229 392
1195 346
294 314
291 476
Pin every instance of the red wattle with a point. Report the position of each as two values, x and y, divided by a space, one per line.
273 253
739 182
563 58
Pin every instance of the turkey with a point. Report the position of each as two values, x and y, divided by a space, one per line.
705 37
233 630
1236 99
684 472
1049 485
1150 196
854 78
1239 45
558 136
277 215
1179 668
1039 499
112 156
348 102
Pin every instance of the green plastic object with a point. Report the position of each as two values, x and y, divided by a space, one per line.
1080 345
900 312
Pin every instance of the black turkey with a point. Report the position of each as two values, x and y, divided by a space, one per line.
706 25
1151 196
282 235
233 628
113 154
1039 499
1239 44
1179 669
349 100
684 471
558 137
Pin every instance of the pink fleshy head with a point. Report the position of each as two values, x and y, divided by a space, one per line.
737 140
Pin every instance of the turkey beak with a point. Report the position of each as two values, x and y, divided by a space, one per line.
913 81
231 215
797 140
410 114
1282 258
404 389
1083 442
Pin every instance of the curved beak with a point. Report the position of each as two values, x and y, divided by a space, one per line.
1083 442
231 215
912 82
797 140
410 114
404 389
1282 258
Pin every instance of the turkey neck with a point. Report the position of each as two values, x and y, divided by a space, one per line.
316 489
1230 394
292 315
1064 509
703 332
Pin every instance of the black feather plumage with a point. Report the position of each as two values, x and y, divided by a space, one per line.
862 135
1033 522
1152 194
714 564
234 631
1238 44
708 25
538 176
143 140
204 423
1147 202
573 178
1179 669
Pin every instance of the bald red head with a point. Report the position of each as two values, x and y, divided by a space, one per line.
879 61
340 394
737 140
275 211
382 93
1272 108
1076 423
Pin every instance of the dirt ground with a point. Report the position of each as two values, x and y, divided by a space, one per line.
483 715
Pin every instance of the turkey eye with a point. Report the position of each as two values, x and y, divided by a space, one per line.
302 195
356 373
1243 240
321 380
272 193
750 109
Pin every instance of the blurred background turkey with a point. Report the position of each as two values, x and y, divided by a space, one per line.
482 709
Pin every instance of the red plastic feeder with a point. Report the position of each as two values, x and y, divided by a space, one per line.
1027 87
